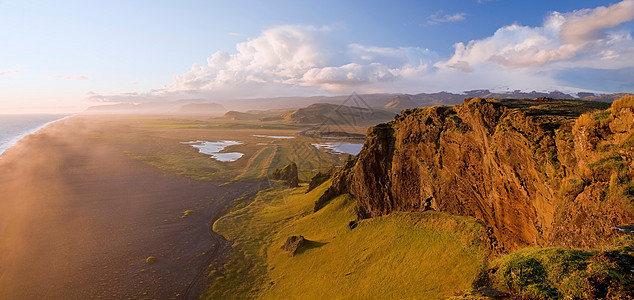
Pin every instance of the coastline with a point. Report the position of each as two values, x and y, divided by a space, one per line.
80 217
19 137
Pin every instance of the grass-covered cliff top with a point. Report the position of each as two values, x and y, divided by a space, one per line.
404 255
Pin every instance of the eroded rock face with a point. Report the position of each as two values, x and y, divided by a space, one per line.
287 174
529 169
293 243
340 184
318 179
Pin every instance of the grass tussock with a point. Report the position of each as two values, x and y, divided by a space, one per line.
187 213
559 273
428 255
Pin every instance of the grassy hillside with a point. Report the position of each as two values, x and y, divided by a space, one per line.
560 273
429 255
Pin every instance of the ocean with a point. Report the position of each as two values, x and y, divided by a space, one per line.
15 127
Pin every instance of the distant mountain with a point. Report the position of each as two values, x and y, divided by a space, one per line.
202 108
367 101
262 115
517 94
602 97
401 102
441 98
333 114
240 116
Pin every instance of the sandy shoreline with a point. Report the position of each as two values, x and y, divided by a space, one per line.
78 218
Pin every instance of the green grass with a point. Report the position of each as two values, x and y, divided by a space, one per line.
260 165
158 143
428 255
185 163
559 273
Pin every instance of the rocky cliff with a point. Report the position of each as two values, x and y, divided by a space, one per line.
536 172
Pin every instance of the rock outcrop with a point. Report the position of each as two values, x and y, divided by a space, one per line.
536 172
318 179
293 243
288 174
340 184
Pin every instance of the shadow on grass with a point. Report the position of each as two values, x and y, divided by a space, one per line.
309 245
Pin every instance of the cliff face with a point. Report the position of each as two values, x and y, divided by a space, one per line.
532 170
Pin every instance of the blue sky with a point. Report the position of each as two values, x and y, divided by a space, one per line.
66 55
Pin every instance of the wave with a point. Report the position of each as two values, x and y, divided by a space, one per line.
11 133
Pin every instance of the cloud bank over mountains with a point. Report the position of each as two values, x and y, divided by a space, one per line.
298 60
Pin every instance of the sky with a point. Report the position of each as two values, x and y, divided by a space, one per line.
63 56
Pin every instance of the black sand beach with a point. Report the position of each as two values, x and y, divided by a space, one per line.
79 217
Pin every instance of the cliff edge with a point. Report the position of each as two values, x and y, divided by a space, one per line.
535 172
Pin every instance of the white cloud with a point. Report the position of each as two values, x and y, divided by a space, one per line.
591 25
580 39
439 17
292 60
295 60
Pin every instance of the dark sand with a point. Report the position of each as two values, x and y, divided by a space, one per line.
79 217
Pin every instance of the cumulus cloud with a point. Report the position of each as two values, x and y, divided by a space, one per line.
302 57
296 60
439 17
589 25
580 38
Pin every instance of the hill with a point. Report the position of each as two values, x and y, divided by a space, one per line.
536 172
250 115
342 115
377 258
401 102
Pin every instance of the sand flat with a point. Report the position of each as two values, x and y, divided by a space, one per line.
78 218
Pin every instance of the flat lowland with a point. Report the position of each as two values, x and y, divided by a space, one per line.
116 207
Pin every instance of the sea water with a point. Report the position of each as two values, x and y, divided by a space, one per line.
13 128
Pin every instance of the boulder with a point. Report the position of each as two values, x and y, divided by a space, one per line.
293 243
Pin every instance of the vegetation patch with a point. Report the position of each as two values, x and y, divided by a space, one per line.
411 255
187 213
605 167
560 273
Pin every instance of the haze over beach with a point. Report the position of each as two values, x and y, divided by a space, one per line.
464 149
